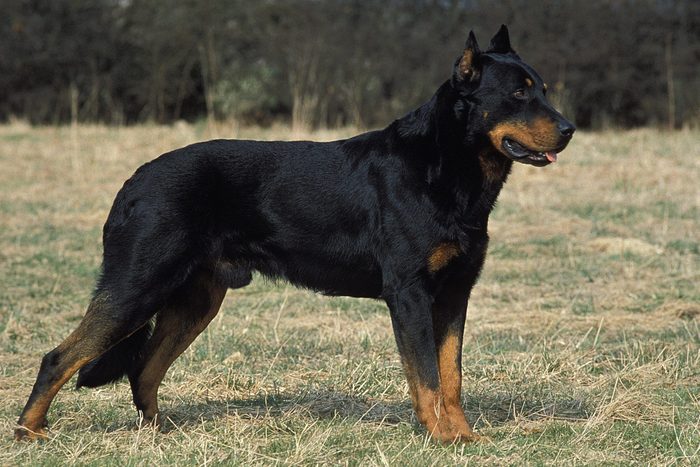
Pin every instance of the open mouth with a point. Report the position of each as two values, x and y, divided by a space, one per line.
520 153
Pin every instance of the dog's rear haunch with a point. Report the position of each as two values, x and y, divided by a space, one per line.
398 214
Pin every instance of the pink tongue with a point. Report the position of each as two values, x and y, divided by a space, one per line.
551 156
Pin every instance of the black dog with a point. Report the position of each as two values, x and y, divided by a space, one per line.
398 214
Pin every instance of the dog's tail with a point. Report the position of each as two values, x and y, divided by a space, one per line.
116 362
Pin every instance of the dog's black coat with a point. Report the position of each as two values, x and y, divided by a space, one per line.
399 214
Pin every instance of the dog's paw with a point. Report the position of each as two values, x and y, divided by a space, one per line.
23 433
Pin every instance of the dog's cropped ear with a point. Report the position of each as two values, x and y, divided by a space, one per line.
466 68
500 43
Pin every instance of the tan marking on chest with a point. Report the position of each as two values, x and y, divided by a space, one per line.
442 255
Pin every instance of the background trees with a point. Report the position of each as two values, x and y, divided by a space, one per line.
335 62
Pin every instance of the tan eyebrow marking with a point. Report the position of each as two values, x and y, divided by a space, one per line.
529 82
545 86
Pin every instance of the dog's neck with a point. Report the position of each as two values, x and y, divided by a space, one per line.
467 163
495 167
444 139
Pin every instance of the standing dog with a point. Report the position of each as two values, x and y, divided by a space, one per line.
398 214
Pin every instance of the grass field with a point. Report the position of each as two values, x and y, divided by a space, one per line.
582 343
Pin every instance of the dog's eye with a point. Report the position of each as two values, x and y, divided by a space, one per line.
520 94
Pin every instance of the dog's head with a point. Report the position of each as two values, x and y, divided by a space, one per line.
506 101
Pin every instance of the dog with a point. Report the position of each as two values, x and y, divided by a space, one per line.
398 214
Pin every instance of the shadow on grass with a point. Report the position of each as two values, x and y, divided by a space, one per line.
482 411
499 409
324 405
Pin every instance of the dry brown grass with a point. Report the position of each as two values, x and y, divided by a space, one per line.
582 344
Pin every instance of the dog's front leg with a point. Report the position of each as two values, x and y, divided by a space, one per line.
449 314
412 321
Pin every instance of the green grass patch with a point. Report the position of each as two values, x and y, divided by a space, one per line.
581 344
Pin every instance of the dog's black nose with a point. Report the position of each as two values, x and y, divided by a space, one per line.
566 129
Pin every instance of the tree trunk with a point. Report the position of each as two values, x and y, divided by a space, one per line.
669 82
207 58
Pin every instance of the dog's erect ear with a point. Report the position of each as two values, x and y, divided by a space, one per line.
500 43
466 66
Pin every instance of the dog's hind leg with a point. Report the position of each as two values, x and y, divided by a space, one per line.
187 314
139 275
97 332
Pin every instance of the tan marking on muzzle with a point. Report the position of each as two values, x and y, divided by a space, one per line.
540 135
